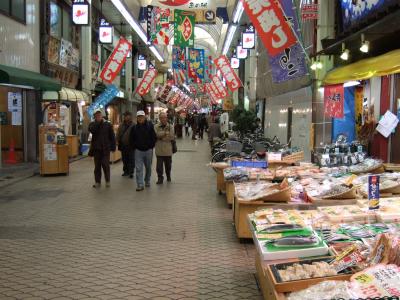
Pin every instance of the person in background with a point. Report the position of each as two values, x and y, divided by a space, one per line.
103 141
127 152
187 125
194 125
165 134
202 125
214 131
258 127
143 139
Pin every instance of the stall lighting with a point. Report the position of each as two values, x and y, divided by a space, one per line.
351 83
82 103
364 44
229 37
316 65
135 26
345 52
238 12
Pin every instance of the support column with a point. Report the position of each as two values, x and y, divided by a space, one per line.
128 78
241 90
86 55
252 78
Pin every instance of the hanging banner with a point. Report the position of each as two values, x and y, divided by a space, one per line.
103 99
211 93
116 60
158 25
144 86
165 92
309 12
334 101
183 28
290 63
196 63
358 108
178 58
232 80
222 92
269 21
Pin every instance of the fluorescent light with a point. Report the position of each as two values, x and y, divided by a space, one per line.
351 83
156 53
345 54
238 12
186 87
229 37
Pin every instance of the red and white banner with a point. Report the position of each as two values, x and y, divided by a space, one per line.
334 101
232 80
269 21
115 61
144 86
222 92
210 92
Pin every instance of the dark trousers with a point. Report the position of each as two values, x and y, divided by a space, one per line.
187 130
161 162
128 160
101 161
201 132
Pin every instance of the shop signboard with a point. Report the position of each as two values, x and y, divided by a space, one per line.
235 62
142 62
227 104
196 63
373 192
309 12
289 63
80 12
144 86
183 28
106 32
116 60
186 4
158 25
334 101
271 25
248 38
222 92
232 80
241 53
103 99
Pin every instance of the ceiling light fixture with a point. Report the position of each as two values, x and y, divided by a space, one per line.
229 37
364 44
345 52
135 25
238 12
316 65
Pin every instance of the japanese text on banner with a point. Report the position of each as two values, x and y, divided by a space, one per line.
222 92
116 60
148 78
334 101
232 80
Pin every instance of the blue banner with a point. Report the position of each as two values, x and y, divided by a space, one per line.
196 63
373 192
347 125
103 99
290 63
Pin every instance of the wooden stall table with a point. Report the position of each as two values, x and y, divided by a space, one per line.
219 169
73 145
265 282
230 192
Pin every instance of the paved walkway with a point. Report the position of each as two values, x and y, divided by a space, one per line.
61 239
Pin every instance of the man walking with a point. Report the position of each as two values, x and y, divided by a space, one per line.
127 152
103 141
165 135
143 139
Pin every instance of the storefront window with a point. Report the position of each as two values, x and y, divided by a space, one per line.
55 20
105 53
67 26
14 8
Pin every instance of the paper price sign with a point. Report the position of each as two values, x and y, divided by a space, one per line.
274 156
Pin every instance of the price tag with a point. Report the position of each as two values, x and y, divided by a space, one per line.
274 156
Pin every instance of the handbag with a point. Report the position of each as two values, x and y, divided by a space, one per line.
174 147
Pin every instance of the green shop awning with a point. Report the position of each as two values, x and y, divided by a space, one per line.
16 76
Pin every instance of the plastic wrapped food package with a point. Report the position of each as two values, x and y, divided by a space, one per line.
325 290
236 174
305 271
254 191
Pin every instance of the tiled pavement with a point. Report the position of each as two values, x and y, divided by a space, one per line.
61 239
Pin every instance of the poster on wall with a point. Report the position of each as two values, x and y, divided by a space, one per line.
53 50
158 25
269 21
73 62
334 101
14 101
289 63
16 118
183 28
50 151
65 53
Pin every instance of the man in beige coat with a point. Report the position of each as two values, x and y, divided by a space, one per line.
165 134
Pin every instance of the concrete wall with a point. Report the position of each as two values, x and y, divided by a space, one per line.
19 43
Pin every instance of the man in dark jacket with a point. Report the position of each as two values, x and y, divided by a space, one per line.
127 153
103 141
143 139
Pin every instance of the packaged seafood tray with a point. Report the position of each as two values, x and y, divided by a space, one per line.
269 251
346 214
296 276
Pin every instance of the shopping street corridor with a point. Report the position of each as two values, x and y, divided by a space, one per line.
62 239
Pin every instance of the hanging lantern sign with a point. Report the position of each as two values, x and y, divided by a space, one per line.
106 32
235 62
248 38
241 53
80 12
142 63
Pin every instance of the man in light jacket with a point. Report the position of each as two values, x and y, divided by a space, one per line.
165 135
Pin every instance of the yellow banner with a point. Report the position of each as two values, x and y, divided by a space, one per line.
358 108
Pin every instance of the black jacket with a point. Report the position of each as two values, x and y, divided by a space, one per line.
143 137
103 137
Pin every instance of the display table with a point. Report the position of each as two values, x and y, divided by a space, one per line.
230 192
219 169
73 145
265 282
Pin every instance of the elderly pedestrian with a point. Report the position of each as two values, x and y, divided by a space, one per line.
165 136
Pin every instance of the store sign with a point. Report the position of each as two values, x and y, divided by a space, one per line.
186 4
232 80
309 12
103 99
235 62
248 38
373 192
290 63
334 101
158 25
116 60
221 90
142 62
80 12
270 23
145 85
241 53
184 22
106 32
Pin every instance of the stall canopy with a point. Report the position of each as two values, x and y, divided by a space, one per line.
386 64
19 77
65 94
